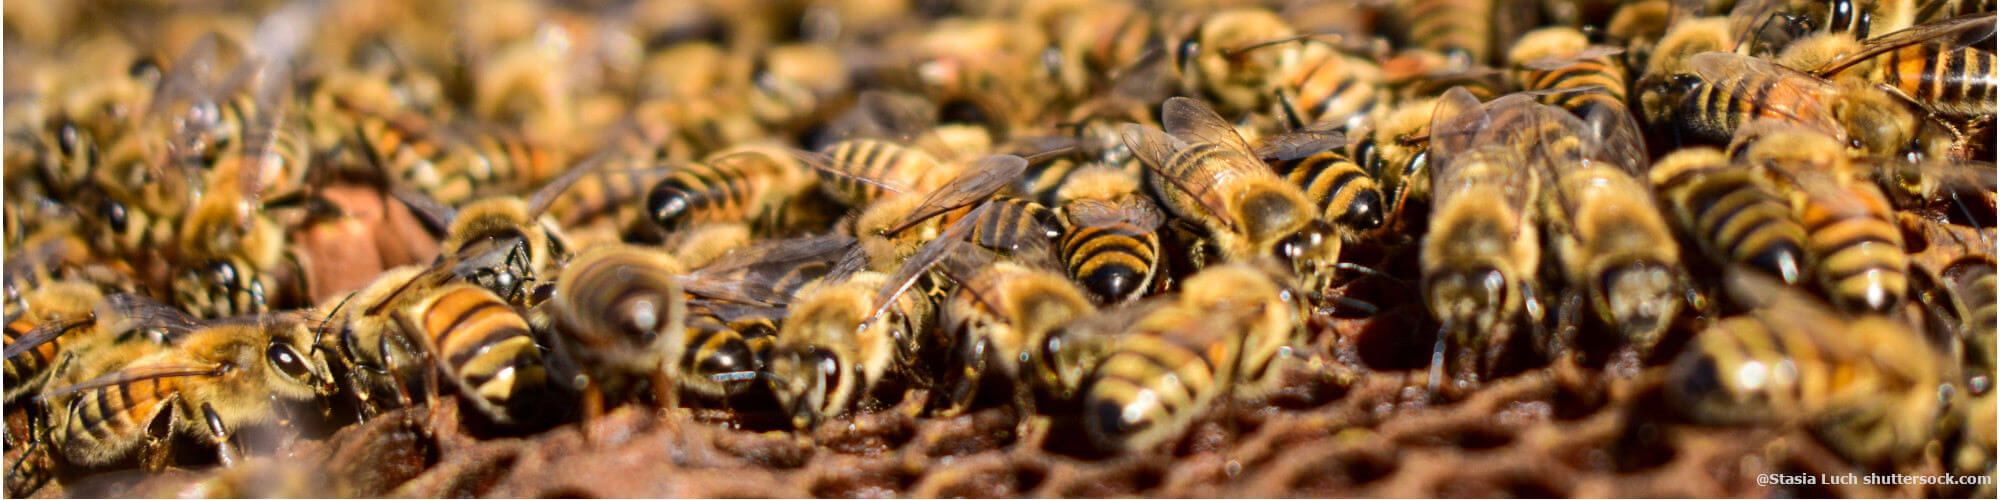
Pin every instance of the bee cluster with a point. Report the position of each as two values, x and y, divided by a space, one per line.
1125 231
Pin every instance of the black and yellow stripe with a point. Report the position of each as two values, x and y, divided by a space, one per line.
1116 262
714 348
485 344
884 162
1146 392
1953 82
1346 194
1733 218
103 424
1857 249
1455 28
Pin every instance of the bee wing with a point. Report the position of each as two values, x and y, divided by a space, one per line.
1154 149
187 79
1456 125
732 312
1798 97
43 333
1137 211
1965 30
1299 144
937 250
1588 53
131 374
819 162
1194 122
1150 145
1112 322
977 182
1749 17
122 312
782 253
1040 149
1618 138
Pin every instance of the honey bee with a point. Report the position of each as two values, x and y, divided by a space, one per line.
832 349
891 230
997 320
136 200
621 317
1332 87
1092 42
1851 235
1962 89
1174 359
1223 57
1112 247
1970 282
1208 175
392 335
1778 364
1668 86
793 83
1610 238
37 335
218 379
1461 30
1481 255
1559 59
505 243
1318 164
231 248
1766 25
749 185
1393 151
1734 216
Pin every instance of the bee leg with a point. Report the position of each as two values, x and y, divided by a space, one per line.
1569 318
154 450
1024 409
1437 362
224 448
593 409
665 391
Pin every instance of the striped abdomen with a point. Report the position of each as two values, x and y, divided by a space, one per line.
1204 175
1858 251
28 365
484 343
1116 261
1456 28
883 162
745 188
1345 193
1334 87
1147 391
1603 72
1013 222
493 163
230 287
716 356
104 424
1734 219
1953 82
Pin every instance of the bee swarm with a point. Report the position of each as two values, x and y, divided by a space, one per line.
1035 248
